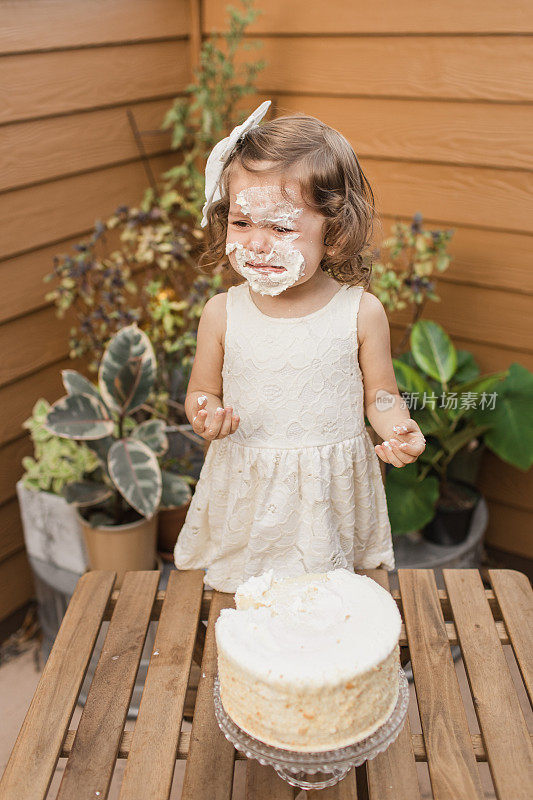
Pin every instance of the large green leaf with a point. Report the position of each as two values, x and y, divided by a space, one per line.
511 422
175 491
79 416
467 404
152 433
467 368
411 502
409 379
127 370
135 472
433 350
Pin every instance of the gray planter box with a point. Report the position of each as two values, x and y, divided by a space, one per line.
52 533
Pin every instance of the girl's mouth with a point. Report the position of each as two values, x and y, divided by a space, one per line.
265 267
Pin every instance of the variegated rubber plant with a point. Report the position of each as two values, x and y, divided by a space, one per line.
99 416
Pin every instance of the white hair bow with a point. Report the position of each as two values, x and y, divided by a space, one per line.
220 154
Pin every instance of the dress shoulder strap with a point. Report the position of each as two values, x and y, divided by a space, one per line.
355 294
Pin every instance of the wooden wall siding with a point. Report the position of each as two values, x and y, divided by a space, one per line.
69 72
437 102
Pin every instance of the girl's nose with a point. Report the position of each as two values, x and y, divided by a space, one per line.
260 242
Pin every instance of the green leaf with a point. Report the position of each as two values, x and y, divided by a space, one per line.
467 368
75 383
127 371
175 491
433 350
411 502
84 493
408 379
484 384
79 416
135 472
152 433
511 422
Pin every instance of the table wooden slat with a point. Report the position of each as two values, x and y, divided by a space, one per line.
515 598
34 757
495 699
152 758
452 765
102 721
392 775
264 783
209 770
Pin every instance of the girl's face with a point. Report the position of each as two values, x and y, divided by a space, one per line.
273 242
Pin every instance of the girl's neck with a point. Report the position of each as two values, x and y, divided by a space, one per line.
298 300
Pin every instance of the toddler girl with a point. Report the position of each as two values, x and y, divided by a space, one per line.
288 362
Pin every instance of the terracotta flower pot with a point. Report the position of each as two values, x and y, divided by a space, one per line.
170 524
131 546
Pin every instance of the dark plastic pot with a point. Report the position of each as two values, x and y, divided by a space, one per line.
451 524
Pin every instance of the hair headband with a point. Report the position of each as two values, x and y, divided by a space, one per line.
220 154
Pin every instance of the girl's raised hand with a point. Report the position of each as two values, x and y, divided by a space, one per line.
405 448
215 425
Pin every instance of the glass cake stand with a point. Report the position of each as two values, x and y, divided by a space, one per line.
321 769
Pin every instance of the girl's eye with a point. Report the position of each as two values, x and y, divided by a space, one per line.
240 223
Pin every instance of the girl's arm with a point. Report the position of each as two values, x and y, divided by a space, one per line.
204 391
385 409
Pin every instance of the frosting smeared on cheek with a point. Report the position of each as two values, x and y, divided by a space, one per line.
274 271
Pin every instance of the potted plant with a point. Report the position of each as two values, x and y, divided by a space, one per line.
118 514
461 413
403 276
51 529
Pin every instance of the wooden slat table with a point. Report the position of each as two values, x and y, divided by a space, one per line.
480 620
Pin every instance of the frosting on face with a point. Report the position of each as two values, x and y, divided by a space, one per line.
273 271
289 261
262 204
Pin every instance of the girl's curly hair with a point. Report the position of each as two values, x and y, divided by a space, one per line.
331 183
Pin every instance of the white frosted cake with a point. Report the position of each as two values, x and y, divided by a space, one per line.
309 663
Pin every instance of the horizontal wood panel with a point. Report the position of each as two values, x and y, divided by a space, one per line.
17 399
510 529
485 315
446 67
11 456
490 358
387 16
11 536
63 208
16 583
44 84
34 24
31 343
484 134
494 259
40 150
27 292
505 484
482 198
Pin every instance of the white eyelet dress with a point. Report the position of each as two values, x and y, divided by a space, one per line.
297 488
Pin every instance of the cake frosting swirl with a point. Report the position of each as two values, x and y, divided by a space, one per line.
309 663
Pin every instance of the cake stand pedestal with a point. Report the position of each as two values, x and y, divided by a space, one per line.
321 769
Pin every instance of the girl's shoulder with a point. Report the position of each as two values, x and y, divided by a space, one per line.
371 316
